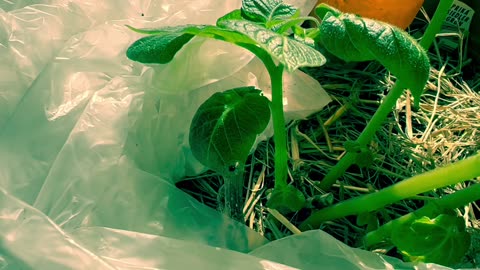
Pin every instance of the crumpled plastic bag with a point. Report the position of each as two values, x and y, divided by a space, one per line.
91 144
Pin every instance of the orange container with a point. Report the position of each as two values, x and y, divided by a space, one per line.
397 12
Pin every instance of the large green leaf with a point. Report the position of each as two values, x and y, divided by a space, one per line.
441 240
291 53
226 125
163 43
267 11
352 38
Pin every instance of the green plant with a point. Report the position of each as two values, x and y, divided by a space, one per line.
221 135
262 28
225 127
385 108
434 233
441 177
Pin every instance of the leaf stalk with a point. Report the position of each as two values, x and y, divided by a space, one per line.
278 118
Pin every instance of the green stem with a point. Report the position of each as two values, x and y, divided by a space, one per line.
280 133
365 137
233 187
278 117
436 24
431 210
440 177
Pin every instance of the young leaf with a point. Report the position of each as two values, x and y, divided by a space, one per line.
352 38
266 11
226 125
157 49
293 54
286 199
442 240
322 10
233 15
283 26
164 43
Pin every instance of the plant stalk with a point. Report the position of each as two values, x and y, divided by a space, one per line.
431 210
233 187
365 137
436 24
280 134
441 177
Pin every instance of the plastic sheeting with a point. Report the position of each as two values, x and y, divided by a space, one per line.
91 144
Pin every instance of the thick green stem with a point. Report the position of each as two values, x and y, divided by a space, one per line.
278 117
438 178
233 187
366 136
431 210
280 133
436 24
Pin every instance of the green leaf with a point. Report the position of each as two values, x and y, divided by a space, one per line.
286 199
283 26
165 42
267 11
226 125
233 15
157 49
352 38
291 53
322 10
442 240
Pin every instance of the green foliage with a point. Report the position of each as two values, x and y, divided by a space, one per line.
286 199
352 38
218 138
226 125
166 42
291 53
233 15
268 12
158 49
442 240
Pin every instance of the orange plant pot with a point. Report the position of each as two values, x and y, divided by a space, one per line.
397 12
